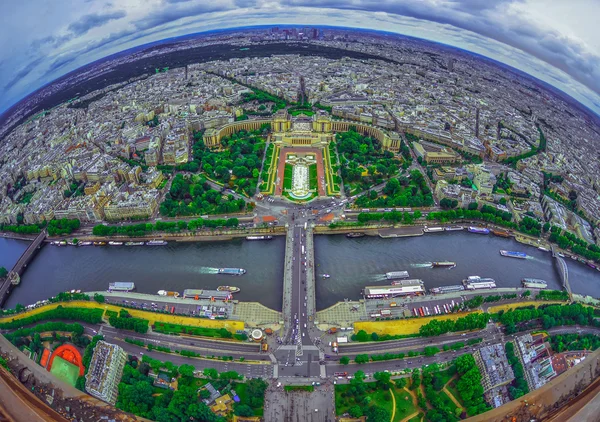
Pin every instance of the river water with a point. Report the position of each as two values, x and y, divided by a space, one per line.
352 264
175 267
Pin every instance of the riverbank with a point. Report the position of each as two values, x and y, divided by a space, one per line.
206 236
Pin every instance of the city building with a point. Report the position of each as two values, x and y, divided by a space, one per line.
105 370
494 367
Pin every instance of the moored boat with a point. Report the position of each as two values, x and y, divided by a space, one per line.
231 289
259 237
453 228
99 243
534 283
474 282
134 243
500 233
113 243
354 234
84 244
325 275
478 230
167 293
156 243
541 248
121 286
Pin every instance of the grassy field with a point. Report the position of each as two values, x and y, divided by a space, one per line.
152 317
404 404
287 176
270 168
417 418
380 398
312 176
509 306
447 400
401 326
65 371
452 389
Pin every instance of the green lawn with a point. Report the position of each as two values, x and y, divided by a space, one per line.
404 404
417 418
64 370
312 176
447 400
452 389
302 111
380 398
287 176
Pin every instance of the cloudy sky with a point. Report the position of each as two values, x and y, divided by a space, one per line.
557 41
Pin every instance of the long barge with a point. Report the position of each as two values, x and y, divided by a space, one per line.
447 289
232 271
447 264
411 282
207 294
500 233
121 286
534 283
259 237
382 292
353 235
474 282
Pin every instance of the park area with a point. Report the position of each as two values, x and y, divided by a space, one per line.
409 326
432 393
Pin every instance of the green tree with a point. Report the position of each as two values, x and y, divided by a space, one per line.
401 382
210 373
355 411
186 370
361 359
344 360
383 380
243 410
3 272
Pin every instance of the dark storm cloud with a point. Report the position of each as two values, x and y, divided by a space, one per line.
23 72
175 13
489 19
87 22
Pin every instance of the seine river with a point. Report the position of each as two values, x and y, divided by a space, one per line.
352 264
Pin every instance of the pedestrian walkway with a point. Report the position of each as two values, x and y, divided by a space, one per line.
256 314
342 314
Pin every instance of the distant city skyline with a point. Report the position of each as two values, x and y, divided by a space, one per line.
558 44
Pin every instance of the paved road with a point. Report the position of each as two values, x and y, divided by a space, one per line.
250 370
489 337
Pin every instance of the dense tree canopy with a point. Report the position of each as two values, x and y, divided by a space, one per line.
192 195
359 154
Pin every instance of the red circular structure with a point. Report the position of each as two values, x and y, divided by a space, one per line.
70 354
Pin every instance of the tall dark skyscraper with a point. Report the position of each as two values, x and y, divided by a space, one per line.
477 123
